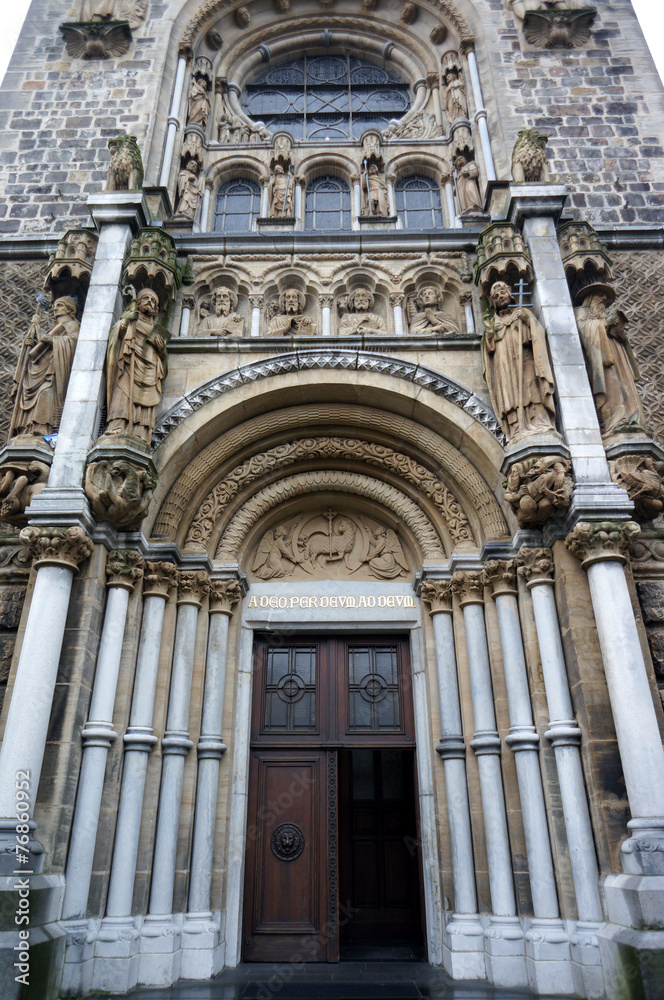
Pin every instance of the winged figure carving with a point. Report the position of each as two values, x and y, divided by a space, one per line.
558 29
96 40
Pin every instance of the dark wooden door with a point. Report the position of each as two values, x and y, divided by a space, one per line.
313 697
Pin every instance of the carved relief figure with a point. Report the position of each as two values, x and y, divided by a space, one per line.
136 365
456 104
290 320
42 373
374 192
385 556
358 320
538 488
280 194
132 11
516 367
224 321
610 361
529 162
427 317
190 187
421 125
199 102
466 182
125 171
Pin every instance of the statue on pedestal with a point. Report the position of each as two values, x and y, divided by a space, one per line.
468 191
375 200
280 194
190 187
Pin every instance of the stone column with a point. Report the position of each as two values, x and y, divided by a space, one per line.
265 198
57 553
203 225
200 931
391 201
464 938
173 122
118 938
602 548
504 937
256 302
547 944
185 318
396 301
480 117
536 567
357 201
433 82
299 203
159 936
326 315
123 570
453 219
466 300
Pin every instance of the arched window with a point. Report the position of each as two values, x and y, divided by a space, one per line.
418 202
327 205
238 204
326 97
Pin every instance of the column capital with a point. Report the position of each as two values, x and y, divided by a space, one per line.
396 298
256 300
438 595
67 547
326 300
599 541
468 586
224 595
159 578
500 575
193 586
536 566
124 568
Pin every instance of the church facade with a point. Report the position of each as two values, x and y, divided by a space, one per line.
331 570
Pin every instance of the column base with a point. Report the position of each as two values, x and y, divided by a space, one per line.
160 955
635 901
202 949
463 946
80 936
548 964
586 960
633 963
116 955
643 853
505 952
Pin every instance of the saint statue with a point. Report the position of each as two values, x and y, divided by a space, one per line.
290 320
466 182
224 321
199 102
456 104
612 367
136 366
280 194
42 373
374 192
429 319
516 367
358 320
132 11
190 187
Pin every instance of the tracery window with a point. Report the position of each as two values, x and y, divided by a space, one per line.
418 202
326 97
238 204
327 205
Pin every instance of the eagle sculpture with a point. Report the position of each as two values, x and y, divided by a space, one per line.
529 157
125 171
551 28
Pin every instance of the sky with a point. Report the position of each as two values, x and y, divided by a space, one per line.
650 14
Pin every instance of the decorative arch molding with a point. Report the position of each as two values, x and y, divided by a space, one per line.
348 449
297 361
375 490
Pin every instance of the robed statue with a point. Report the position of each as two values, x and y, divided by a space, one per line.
42 373
516 366
136 366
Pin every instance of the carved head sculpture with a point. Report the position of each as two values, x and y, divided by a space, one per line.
148 302
224 301
65 306
292 302
192 167
428 297
373 169
278 169
500 295
459 162
361 300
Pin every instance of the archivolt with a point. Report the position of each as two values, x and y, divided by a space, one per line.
338 482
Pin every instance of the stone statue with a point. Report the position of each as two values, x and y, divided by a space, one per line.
456 104
428 319
374 192
280 194
132 11
516 367
529 164
42 373
125 171
290 320
224 321
466 182
612 367
136 365
199 102
190 187
358 320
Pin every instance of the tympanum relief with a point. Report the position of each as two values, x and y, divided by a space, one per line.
331 544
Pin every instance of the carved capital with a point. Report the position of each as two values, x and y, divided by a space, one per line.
256 301
642 476
500 575
120 490
468 587
124 568
539 488
433 80
396 299
438 595
602 540
536 566
224 595
57 546
159 578
193 586
326 301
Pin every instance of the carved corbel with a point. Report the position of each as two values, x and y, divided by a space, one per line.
502 255
193 587
500 576
21 478
96 39
119 482
536 566
642 476
70 267
558 28
159 578
124 568
224 595
468 586
438 595
538 488
67 547
599 541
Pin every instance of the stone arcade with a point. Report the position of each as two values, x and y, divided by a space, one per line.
331 571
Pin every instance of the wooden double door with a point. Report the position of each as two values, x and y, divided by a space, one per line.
333 851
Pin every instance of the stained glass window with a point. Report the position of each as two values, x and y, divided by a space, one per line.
326 97
238 204
418 202
327 205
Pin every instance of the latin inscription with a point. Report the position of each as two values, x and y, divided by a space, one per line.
334 601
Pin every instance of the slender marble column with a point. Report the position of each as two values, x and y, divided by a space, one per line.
396 301
204 225
123 570
536 566
265 200
297 209
467 303
390 178
193 586
173 122
57 552
452 216
463 929
357 201
326 315
256 302
433 82
480 117
603 547
185 318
